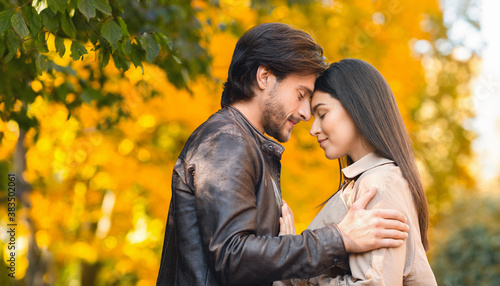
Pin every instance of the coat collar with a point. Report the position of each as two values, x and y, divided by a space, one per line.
364 164
267 145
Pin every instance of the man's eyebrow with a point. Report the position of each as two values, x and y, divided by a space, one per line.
316 107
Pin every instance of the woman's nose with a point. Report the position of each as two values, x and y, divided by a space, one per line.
314 129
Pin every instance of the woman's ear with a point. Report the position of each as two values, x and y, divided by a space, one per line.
263 77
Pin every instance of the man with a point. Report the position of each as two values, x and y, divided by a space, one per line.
224 213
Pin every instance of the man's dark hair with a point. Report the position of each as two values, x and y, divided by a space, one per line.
279 47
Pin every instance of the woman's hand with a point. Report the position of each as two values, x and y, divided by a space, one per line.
287 225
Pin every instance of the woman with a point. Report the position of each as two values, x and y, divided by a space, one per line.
356 120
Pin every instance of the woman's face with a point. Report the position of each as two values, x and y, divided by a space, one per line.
334 128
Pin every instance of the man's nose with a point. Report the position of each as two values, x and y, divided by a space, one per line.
305 110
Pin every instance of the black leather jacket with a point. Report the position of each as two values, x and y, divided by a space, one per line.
224 213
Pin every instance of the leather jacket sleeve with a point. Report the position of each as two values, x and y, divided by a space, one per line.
222 174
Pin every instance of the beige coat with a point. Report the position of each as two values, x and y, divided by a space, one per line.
405 265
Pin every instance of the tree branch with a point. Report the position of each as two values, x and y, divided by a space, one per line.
25 4
28 51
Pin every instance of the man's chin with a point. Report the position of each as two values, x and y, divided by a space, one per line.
283 137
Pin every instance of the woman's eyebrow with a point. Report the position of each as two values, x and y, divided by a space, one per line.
316 107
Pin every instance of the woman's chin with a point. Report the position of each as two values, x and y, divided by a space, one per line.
330 156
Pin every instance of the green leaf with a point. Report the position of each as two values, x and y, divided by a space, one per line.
116 6
5 19
114 46
127 47
177 59
34 20
123 26
137 56
67 26
60 47
94 38
105 56
163 40
77 50
103 6
111 32
50 20
87 7
41 64
120 62
40 37
57 5
19 25
42 47
13 42
26 12
2 48
151 47
169 43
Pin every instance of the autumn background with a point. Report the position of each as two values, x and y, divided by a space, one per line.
98 97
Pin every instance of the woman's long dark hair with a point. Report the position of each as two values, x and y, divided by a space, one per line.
369 100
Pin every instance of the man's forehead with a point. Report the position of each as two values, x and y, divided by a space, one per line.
304 83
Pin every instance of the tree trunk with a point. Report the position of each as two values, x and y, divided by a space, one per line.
89 273
37 266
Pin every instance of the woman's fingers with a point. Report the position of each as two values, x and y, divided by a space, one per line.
286 220
287 217
282 227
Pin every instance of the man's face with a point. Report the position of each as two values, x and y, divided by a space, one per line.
287 104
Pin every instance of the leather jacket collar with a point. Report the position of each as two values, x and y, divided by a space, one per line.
267 145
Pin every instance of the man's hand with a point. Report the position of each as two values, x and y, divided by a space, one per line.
364 230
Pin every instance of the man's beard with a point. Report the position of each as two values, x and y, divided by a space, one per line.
274 118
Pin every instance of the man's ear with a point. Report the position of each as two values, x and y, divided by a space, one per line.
263 77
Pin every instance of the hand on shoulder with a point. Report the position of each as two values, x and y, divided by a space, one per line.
363 230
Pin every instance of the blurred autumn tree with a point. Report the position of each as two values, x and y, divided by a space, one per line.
470 254
100 142
35 36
